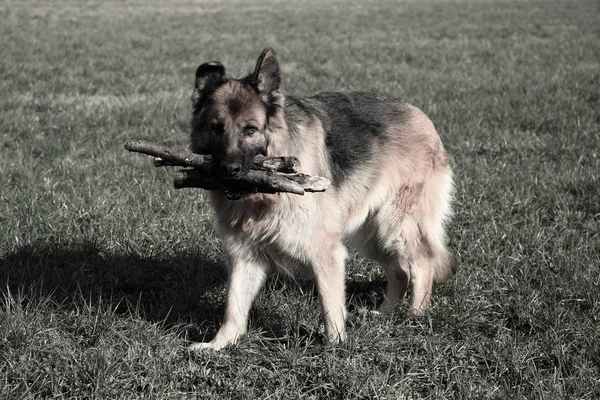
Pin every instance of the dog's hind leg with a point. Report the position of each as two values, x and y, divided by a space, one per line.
247 275
411 242
329 269
406 260
419 258
398 278
421 284
367 239
431 262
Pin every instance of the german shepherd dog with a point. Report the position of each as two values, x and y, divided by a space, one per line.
390 195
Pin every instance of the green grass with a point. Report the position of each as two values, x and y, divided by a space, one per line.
106 271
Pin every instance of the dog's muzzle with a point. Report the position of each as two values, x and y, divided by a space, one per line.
230 170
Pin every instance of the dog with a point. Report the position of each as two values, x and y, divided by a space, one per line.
390 196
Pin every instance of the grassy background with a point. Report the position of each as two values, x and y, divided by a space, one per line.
106 271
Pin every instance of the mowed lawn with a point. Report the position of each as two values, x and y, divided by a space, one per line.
107 272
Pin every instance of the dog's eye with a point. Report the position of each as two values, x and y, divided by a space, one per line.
217 128
250 130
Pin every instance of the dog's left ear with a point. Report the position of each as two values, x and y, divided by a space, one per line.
266 78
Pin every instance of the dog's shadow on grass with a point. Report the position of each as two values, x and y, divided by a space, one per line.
182 288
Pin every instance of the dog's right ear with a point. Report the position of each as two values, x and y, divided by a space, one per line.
208 76
209 73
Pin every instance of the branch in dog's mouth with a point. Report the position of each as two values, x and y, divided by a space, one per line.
267 175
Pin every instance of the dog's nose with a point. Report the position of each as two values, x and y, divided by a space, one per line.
230 169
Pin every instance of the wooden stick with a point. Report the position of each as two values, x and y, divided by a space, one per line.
268 174
180 157
253 181
166 156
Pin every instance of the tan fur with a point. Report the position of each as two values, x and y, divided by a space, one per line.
393 210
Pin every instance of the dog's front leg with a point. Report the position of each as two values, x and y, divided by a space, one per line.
247 275
330 274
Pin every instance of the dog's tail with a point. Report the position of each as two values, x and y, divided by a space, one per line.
440 194
445 265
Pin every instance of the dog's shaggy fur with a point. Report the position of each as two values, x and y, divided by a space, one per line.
391 190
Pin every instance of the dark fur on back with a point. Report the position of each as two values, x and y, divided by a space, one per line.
354 123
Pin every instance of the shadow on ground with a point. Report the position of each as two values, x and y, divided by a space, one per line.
178 288
182 287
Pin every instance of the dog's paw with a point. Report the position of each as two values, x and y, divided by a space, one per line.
203 346
365 312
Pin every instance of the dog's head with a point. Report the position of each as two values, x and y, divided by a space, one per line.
231 116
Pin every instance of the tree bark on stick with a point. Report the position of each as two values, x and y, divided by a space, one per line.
268 174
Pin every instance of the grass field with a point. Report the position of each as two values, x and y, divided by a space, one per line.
106 271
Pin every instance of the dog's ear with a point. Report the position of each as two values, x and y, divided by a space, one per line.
208 76
209 73
266 78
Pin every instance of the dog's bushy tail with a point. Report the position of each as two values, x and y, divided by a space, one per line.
440 197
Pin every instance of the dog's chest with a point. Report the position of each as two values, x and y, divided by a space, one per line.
277 224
